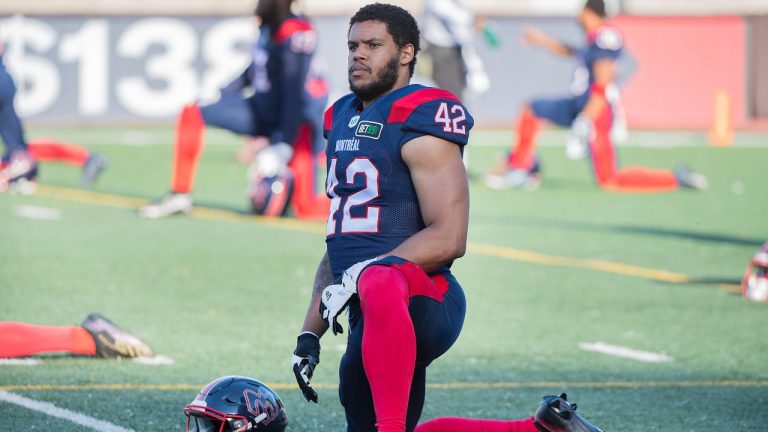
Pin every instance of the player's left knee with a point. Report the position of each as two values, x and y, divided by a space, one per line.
380 288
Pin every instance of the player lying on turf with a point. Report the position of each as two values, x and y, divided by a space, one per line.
399 217
589 113
286 102
96 336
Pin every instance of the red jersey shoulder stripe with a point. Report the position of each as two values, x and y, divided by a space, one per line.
289 27
328 119
403 107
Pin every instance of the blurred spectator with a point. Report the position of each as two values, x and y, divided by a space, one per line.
448 29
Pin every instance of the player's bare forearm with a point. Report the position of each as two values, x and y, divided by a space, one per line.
441 185
313 322
535 36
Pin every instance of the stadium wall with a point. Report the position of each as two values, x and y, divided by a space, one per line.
139 68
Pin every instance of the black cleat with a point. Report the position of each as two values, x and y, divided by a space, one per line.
112 341
93 167
556 414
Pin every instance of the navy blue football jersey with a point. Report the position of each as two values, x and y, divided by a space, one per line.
283 59
374 206
604 43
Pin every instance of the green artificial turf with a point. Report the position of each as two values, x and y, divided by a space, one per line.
222 294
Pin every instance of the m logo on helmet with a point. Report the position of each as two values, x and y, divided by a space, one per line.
259 402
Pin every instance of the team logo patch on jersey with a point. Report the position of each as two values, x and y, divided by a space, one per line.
608 39
369 129
353 121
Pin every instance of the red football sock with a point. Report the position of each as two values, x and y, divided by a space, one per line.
642 179
523 154
389 344
187 148
20 339
307 204
630 179
456 424
602 151
45 149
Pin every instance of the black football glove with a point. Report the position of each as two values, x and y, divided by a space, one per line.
305 357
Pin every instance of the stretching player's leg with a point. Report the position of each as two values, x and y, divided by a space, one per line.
18 170
388 345
520 167
632 178
523 168
92 164
458 424
436 312
555 414
524 152
187 147
232 113
96 336
19 339
355 391
307 202
11 129
49 150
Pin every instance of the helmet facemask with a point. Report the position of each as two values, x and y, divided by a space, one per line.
202 419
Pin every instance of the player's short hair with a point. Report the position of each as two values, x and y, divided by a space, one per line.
596 6
256 8
400 24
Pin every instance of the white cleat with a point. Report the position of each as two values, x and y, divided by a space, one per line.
170 204
690 179
511 179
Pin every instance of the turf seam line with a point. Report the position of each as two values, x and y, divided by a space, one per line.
625 352
64 414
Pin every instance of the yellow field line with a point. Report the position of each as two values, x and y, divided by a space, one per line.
436 386
99 198
206 213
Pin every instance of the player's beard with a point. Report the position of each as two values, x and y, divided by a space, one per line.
385 80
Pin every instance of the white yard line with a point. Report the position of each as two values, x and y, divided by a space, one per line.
619 351
157 360
19 362
38 213
54 411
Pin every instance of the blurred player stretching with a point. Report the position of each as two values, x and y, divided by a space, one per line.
286 106
18 167
589 114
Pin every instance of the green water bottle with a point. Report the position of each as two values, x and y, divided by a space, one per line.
491 35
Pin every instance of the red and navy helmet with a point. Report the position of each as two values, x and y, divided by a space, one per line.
236 404
270 196
754 285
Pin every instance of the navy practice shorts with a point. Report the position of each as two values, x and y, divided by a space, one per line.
561 111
